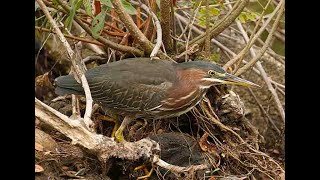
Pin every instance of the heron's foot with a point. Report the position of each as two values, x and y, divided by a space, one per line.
109 119
119 135
148 173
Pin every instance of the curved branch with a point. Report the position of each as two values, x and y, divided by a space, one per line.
108 43
177 170
78 67
132 27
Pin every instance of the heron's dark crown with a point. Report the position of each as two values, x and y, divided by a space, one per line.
203 65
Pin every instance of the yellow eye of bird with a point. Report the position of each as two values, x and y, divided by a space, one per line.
211 72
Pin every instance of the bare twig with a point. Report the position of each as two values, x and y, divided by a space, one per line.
222 24
69 36
194 14
92 58
204 7
182 29
262 71
278 57
90 46
178 169
264 112
207 41
266 44
252 40
104 41
209 113
277 35
79 71
242 54
75 107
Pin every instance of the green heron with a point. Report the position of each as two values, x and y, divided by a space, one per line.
150 89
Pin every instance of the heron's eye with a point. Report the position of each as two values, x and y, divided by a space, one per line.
211 72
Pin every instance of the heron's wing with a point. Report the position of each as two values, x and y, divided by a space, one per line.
131 87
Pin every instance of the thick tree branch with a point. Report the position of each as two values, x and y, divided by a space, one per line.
165 24
132 27
157 23
100 145
105 147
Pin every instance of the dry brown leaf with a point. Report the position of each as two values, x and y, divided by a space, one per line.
38 168
65 168
38 147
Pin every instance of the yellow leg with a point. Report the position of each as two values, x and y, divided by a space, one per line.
148 174
109 119
119 133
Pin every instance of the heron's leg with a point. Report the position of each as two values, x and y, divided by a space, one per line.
148 173
119 133
113 119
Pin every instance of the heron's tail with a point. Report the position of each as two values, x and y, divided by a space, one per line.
68 85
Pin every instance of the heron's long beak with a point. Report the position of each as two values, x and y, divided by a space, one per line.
231 79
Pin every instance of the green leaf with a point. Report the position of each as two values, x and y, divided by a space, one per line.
98 22
87 7
215 57
107 3
252 16
75 5
242 18
202 23
55 3
128 7
214 11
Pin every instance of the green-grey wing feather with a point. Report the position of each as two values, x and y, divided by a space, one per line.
131 85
